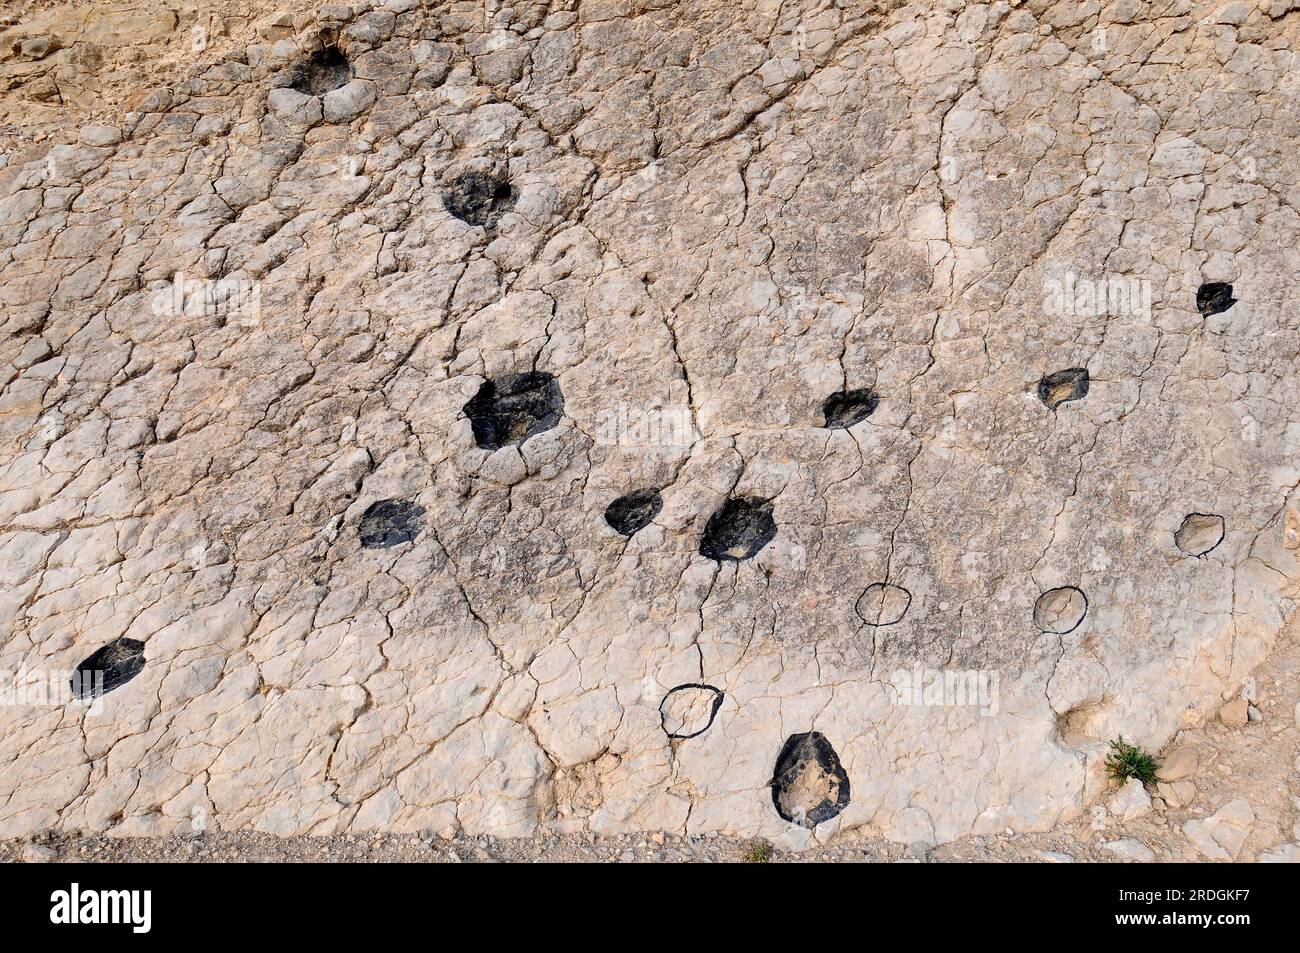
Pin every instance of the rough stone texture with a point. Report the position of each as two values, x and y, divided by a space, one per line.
1129 849
1177 794
723 212
1221 835
689 710
1285 854
1179 764
1236 713
1130 801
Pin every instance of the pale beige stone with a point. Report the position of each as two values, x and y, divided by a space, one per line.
1235 714
1177 794
719 216
1179 764
1129 849
1131 801
1222 835
1284 854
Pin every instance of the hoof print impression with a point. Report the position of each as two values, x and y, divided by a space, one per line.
809 785
1071 384
631 513
742 527
479 198
390 523
883 604
1199 534
687 711
850 407
115 664
508 411
1214 297
1060 611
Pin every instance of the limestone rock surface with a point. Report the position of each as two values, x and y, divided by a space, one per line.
323 360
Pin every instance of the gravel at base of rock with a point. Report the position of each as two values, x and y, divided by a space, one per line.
1128 849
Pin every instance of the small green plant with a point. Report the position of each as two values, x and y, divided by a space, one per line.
758 852
1129 761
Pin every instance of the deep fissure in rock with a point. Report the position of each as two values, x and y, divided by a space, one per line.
479 198
634 511
849 407
1200 533
1214 297
809 785
1057 388
687 711
1060 610
390 523
108 668
324 71
508 411
883 604
739 529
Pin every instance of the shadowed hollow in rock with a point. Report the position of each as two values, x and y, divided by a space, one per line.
1214 297
633 512
389 523
850 407
510 410
324 71
1057 388
120 661
809 785
738 530
479 198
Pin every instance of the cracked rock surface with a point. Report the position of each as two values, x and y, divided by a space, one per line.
515 261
